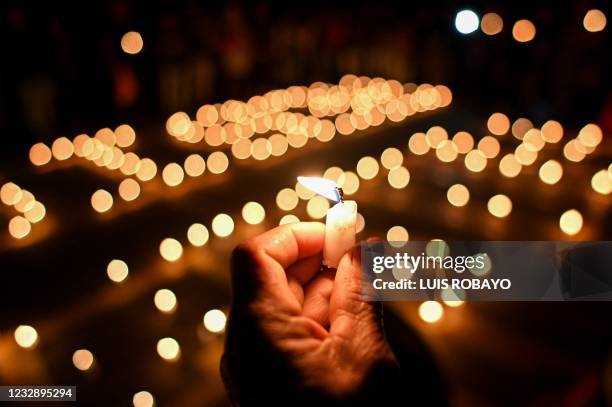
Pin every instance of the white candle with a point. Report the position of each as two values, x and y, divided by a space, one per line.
339 232
340 222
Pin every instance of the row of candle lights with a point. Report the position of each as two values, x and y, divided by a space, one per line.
366 95
371 101
24 202
437 138
523 30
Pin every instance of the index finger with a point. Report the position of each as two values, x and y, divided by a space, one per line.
289 243
263 260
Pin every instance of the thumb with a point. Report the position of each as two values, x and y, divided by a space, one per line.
349 307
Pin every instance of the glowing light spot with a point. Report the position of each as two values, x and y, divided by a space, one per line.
131 164
498 124
533 140
195 165
500 206
95 147
418 144
170 249
520 127
106 136
489 146
590 135
26 202
453 298
359 223
19 227
431 311
125 135
328 131
197 234
571 222
129 189
458 195
165 300
349 182
466 21
582 148
437 247
118 159
398 177
552 131
509 166
222 225
287 199
117 270
602 182
491 24
289 218
179 124
214 320
10 193
524 155
62 149
241 149
475 161
131 42
317 207
278 144
40 154
463 141
523 31
83 359
261 149
435 135
367 167
344 125
333 173
217 162
168 349
447 151
303 192
397 236
83 145
253 213
594 20
147 170
207 115
36 213
143 399
391 158
101 201
550 172
26 336
173 174
571 151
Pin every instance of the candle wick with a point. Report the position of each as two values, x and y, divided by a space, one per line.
340 194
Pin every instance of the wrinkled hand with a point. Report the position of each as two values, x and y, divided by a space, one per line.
296 330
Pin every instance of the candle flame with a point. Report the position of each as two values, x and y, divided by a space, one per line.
322 186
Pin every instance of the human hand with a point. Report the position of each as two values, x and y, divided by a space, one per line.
296 330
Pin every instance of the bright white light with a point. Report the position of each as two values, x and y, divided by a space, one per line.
466 21
322 186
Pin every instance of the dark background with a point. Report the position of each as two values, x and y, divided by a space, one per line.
63 71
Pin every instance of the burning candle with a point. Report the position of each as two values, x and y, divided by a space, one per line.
340 220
